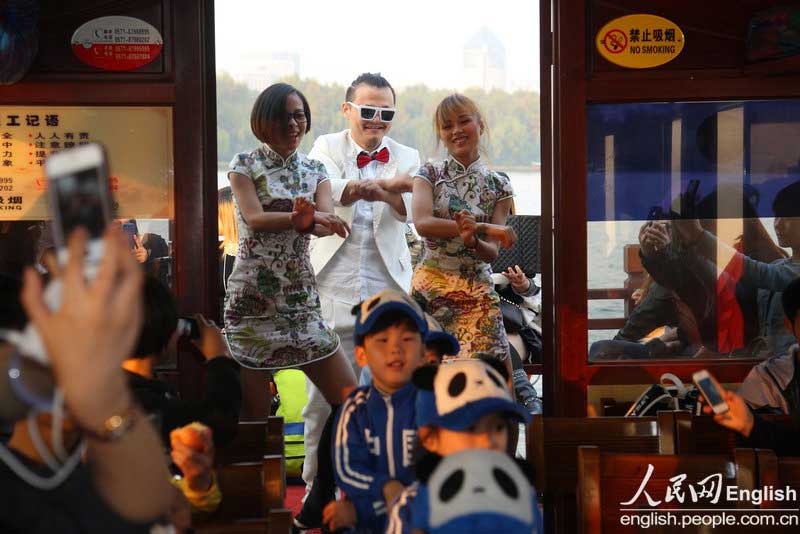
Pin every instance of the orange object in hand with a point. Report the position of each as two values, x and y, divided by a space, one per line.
191 435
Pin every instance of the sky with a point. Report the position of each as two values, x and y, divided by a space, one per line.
409 42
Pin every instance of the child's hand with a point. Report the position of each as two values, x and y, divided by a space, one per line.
467 227
193 453
518 280
303 214
339 514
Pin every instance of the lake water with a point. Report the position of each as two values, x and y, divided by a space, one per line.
605 242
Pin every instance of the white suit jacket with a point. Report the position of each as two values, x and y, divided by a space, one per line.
338 154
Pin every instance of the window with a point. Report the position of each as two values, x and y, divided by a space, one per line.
735 167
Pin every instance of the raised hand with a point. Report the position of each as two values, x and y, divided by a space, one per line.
139 252
303 214
193 453
107 311
518 280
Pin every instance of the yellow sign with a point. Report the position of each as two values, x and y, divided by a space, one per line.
640 41
138 142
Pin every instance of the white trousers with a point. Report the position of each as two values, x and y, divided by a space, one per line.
336 315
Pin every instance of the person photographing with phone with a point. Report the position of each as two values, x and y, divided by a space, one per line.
771 382
124 486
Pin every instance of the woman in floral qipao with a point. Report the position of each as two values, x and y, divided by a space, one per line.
272 310
460 207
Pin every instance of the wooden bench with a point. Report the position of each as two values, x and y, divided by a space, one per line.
552 450
608 483
779 473
253 441
253 495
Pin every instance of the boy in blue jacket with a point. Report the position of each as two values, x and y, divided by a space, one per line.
375 430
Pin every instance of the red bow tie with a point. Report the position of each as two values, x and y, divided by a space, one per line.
363 159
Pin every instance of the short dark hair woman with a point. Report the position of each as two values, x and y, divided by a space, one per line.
272 309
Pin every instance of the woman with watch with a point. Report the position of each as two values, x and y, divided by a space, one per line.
460 208
272 309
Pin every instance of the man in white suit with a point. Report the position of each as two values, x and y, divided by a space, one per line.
370 177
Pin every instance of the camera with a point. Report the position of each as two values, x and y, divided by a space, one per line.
188 327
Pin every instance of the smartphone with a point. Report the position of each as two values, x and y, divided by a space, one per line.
130 230
187 327
711 391
79 196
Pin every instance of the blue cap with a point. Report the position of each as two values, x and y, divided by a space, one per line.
456 394
437 333
386 300
476 491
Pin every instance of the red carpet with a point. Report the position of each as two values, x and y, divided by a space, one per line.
294 494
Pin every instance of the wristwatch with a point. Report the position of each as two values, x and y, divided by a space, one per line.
115 426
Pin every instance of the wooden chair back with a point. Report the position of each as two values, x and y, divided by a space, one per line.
608 483
779 473
253 441
552 450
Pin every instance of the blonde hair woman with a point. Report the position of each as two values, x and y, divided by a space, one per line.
460 207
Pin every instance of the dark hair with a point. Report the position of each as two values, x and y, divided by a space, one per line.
270 107
12 314
390 318
368 78
439 346
787 200
160 318
790 298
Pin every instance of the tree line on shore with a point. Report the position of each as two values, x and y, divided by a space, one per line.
513 119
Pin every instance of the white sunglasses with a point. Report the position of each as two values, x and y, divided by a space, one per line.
367 113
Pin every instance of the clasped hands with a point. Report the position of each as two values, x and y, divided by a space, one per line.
305 216
378 190
469 230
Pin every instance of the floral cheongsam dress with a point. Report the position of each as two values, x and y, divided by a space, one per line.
450 282
272 311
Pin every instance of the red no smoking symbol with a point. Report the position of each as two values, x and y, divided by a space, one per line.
615 41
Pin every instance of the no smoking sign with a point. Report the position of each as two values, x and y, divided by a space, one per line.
615 41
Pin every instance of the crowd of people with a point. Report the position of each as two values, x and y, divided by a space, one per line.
415 394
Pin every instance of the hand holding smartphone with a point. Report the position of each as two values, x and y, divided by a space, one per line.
711 391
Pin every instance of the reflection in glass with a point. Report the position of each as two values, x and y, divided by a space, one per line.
693 228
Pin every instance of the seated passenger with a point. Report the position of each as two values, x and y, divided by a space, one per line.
774 384
730 309
219 409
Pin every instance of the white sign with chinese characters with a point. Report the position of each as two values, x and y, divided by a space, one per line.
138 141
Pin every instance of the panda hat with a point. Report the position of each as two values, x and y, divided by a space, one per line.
437 334
476 491
386 300
455 395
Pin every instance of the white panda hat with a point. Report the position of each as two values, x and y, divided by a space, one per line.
455 395
476 491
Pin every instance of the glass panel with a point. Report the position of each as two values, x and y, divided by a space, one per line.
138 142
692 228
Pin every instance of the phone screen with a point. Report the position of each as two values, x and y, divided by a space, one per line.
80 201
710 391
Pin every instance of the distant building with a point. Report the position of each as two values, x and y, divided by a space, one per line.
485 61
263 70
